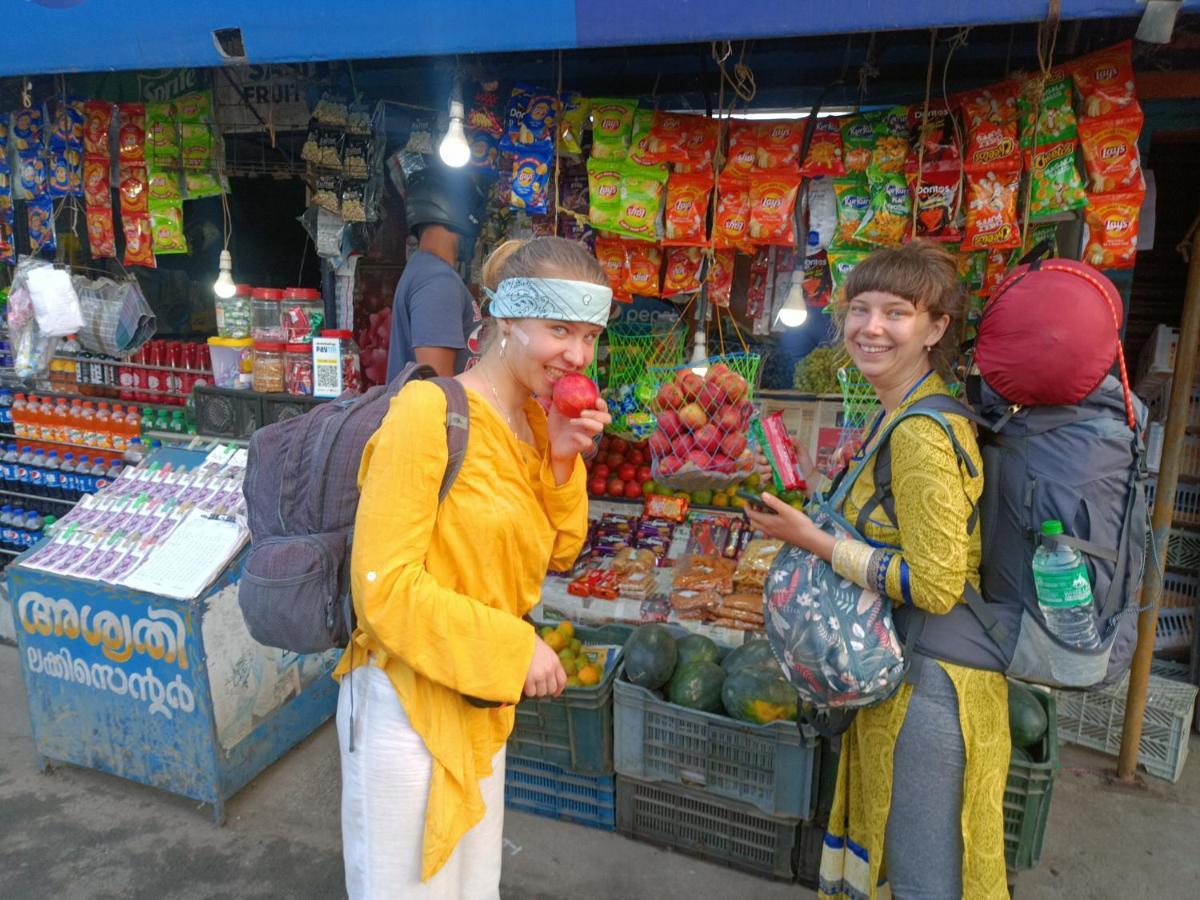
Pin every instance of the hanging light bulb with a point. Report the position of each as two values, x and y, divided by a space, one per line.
224 287
454 149
794 311
699 361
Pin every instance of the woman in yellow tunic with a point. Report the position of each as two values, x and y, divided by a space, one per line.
918 810
440 590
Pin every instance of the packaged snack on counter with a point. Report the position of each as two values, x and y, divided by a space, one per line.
655 536
643 263
1110 151
705 573
686 210
694 604
1057 186
530 182
773 207
778 144
612 127
604 192
824 150
572 123
682 272
632 559
858 143
673 509
732 221
937 199
530 121
773 440
611 253
139 241
756 561
1110 240
636 585
853 197
131 132
889 217
640 202
1104 80
743 150
992 210
708 536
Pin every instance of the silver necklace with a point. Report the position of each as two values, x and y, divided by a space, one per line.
499 405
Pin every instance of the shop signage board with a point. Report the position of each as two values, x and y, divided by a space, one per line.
278 94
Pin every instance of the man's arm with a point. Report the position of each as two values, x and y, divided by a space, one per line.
443 359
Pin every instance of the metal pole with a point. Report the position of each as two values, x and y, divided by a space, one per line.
1164 507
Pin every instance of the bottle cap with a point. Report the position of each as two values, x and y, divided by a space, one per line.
1052 526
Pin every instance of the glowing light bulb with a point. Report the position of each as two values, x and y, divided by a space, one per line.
224 287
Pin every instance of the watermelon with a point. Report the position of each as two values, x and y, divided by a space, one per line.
697 686
752 653
650 656
697 648
1026 717
756 694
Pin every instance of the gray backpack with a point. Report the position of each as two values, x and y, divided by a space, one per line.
1079 464
301 491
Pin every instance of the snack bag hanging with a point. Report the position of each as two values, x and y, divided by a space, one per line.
853 200
720 277
937 202
824 150
572 122
701 145
890 153
643 263
858 143
1056 122
1057 186
681 274
743 149
530 182
1112 229
992 210
1110 151
733 212
777 144
604 192
40 219
990 117
643 121
485 114
668 139
936 132
686 209
842 262
1104 80
611 254
640 201
612 127
131 132
101 237
139 241
530 120
888 219
773 207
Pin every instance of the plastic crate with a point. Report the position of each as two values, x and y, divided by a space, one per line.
1027 794
714 829
1095 719
810 840
1179 591
1183 549
1174 629
1189 455
767 766
1187 501
1156 362
575 729
544 789
1159 398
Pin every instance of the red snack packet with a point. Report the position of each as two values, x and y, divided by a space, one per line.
682 274
778 144
1110 151
139 241
667 140
97 122
133 190
720 277
686 210
732 221
773 206
1112 229
992 211
937 134
131 132
743 149
1104 80
97 191
673 509
643 262
776 444
937 202
824 150
993 127
611 254
994 269
101 239
702 136
817 282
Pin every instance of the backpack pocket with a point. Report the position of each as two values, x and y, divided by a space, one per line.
1040 659
290 592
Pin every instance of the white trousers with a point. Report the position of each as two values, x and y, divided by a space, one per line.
385 791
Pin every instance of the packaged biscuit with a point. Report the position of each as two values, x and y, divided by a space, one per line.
773 207
889 217
686 210
612 127
992 211
1110 151
643 263
858 143
743 149
681 274
732 220
778 144
824 150
1112 220
1057 186
1104 80
853 198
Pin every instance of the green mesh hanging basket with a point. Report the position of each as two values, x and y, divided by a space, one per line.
633 352
859 404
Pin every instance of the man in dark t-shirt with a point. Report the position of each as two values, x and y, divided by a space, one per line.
435 320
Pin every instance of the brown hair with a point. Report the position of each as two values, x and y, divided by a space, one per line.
489 275
925 274
552 257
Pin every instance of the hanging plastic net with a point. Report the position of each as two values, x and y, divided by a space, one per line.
634 351
699 440
859 404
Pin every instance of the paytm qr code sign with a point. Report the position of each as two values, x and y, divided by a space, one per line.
327 367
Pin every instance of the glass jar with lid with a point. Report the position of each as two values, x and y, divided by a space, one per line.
352 379
268 367
266 323
302 314
233 313
298 370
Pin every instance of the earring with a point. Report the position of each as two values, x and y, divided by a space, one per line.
928 349
503 344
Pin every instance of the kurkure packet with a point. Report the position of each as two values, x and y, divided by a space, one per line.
889 217
641 199
824 150
890 152
853 201
858 143
842 262
612 127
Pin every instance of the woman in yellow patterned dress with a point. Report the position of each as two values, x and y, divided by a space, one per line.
918 811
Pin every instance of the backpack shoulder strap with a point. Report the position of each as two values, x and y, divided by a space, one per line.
458 427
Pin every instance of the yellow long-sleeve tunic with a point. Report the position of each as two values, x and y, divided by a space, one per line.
933 501
439 592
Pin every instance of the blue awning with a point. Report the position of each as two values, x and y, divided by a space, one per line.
46 36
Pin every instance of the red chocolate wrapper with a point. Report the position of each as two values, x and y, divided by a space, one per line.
776 444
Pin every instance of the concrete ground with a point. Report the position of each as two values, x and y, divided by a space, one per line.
75 834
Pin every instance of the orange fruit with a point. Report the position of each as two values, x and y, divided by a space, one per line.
566 629
555 641
588 676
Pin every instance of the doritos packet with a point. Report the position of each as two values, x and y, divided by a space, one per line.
643 263
604 192
131 132
611 254
824 150
530 182
612 127
1104 80
732 221
641 199
1111 221
530 120
778 144
1110 151
743 149
889 217
686 209
992 211
853 201
773 207
932 136
681 274
858 143
937 197
816 281
1057 187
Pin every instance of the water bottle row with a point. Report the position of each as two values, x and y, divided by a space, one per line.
29 471
21 528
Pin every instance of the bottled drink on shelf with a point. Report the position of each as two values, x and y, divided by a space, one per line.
115 467
75 433
7 532
153 377
9 463
20 416
62 421
6 405
37 473
103 426
33 529
99 474
133 424
83 476
70 355
48 523
147 420
162 421
87 424
66 474
177 425
134 451
24 461
52 476
116 429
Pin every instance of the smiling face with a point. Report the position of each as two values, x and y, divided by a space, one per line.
886 337
553 349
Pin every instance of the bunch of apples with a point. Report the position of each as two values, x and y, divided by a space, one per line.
702 424
619 469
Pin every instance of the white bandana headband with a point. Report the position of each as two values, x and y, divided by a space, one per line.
551 298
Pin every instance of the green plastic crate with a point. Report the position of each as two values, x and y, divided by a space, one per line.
575 729
1027 795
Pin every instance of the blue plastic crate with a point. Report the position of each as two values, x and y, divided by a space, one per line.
544 789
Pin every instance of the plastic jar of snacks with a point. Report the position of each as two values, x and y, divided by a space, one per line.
232 362
298 370
233 313
268 367
265 310
352 379
302 314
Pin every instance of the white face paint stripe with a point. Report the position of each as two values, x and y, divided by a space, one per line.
521 335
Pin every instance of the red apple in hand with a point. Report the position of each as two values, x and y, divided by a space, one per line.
573 393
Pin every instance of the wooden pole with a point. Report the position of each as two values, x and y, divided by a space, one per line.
1164 504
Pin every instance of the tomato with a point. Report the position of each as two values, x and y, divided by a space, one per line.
643 474
615 460
633 490
597 486
600 470
627 472
616 487
617 445
635 457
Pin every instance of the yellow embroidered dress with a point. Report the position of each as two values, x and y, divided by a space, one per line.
933 501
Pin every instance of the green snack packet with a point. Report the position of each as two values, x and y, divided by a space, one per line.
604 192
165 187
858 143
842 262
1057 185
162 136
1056 122
196 144
167 230
202 184
641 200
194 107
612 126
853 199
890 215
643 121
571 123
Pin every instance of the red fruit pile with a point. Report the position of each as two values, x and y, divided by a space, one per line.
372 343
702 423
619 469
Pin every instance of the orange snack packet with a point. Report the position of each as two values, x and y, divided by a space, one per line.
139 241
743 149
643 261
611 254
1112 229
701 146
667 140
992 211
993 127
682 272
720 277
1104 80
1110 151
686 211
773 207
732 221
824 150
778 144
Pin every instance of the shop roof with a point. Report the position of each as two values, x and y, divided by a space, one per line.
46 36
